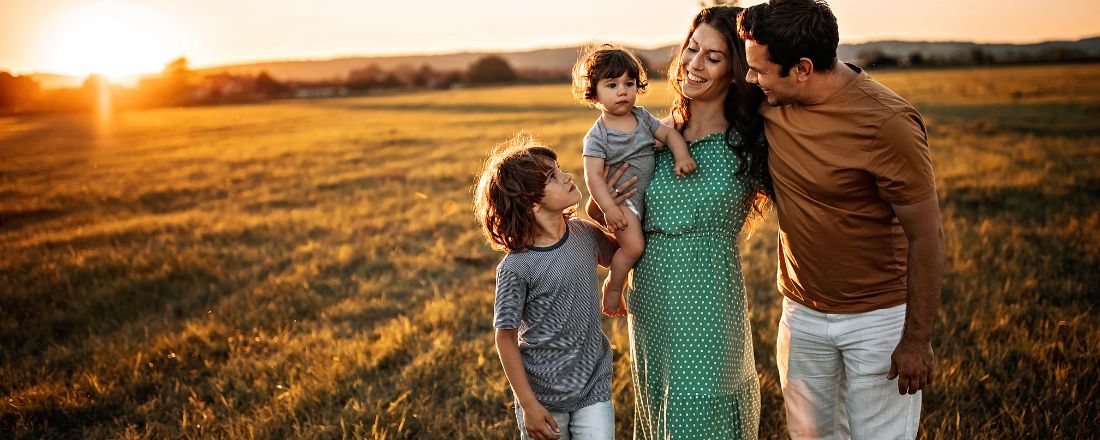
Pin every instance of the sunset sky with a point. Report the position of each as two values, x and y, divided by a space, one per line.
119 37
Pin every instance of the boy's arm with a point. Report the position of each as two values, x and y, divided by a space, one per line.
536 417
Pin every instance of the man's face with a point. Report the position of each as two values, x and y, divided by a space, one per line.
778 90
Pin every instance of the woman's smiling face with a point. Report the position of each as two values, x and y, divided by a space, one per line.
705 65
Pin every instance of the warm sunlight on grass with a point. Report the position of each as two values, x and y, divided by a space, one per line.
312 269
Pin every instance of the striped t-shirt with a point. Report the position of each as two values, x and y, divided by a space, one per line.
550 295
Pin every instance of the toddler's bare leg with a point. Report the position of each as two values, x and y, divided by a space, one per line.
631 245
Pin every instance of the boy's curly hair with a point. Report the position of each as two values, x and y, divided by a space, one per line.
512 181
605 61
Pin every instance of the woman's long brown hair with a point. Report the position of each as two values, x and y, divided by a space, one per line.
740 106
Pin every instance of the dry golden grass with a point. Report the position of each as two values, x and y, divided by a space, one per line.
312 268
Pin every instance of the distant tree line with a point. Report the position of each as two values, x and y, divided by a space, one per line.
877 58
178 84
17 92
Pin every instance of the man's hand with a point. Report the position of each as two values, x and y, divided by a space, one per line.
912 363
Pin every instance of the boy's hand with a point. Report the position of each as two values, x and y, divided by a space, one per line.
685 166
616 219
538 422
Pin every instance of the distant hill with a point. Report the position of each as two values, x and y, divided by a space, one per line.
314 70
55 81
561 59
947 49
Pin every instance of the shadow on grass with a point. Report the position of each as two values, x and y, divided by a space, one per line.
461 108
1023 205
13 219
1061 119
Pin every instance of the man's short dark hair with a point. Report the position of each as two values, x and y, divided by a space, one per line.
793 29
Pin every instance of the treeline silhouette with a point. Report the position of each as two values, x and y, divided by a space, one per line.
878 58
179 85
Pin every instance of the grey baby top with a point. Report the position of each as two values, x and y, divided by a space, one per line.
549 294
634 148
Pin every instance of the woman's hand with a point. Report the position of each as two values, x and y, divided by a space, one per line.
621 193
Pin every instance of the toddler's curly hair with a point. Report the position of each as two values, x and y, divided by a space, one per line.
605 61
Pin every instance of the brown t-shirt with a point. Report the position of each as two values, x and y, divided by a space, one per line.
837 168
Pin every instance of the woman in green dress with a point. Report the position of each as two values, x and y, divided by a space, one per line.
691 344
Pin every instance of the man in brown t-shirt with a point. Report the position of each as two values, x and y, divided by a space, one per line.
860 242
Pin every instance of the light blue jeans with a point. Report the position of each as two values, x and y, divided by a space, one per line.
593 422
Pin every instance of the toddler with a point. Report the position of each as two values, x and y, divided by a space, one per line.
611 79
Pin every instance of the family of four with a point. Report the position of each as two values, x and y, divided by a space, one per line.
763 114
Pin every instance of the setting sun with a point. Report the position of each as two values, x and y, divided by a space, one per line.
108 38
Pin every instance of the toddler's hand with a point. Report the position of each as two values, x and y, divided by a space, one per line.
616 219
685 166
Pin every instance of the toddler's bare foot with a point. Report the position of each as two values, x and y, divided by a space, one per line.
612 299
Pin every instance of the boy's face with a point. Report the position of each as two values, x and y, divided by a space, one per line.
617 95
561 192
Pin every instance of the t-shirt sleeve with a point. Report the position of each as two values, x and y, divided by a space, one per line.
900 162
605 248
594 145
647 119
510 297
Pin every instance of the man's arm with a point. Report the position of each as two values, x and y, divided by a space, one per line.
913 360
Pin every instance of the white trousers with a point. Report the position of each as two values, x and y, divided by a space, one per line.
833 370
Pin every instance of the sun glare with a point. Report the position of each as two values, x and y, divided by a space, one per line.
112 39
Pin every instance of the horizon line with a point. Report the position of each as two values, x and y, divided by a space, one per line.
324 58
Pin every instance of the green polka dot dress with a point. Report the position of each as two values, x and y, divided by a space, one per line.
691 345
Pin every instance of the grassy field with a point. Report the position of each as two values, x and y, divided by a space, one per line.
312 268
